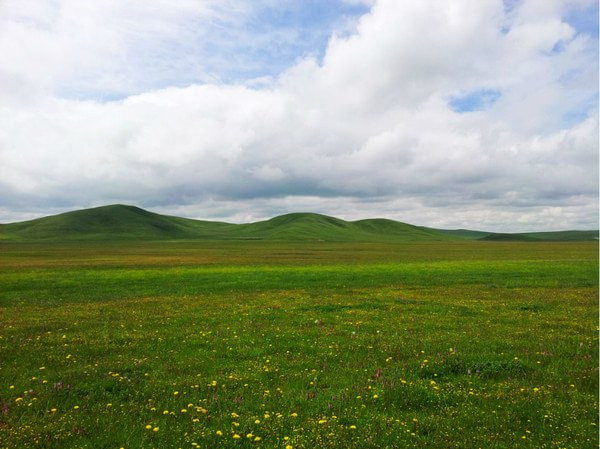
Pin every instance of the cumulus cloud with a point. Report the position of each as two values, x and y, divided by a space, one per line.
369 129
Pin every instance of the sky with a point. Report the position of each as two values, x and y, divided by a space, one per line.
455 114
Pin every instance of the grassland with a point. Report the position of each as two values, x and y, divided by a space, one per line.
258 344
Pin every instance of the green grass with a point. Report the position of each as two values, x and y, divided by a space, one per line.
308 345
119 222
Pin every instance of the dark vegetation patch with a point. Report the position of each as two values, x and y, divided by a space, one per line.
336 308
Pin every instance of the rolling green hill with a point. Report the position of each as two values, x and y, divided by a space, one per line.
129 222
309 226
121 222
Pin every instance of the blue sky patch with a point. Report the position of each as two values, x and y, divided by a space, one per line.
584 20
584 109
475 101
276 35
233 47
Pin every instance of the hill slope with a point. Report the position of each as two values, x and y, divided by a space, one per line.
120 222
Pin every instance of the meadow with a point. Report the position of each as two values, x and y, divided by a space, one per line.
257 344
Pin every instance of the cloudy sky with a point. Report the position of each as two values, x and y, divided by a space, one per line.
455 113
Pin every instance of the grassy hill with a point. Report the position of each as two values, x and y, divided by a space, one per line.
121 222
129 222
114 222
309 226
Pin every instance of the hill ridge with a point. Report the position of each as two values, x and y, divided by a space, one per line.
124 221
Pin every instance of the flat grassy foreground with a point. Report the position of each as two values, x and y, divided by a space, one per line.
307 345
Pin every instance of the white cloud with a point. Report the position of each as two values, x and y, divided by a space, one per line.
103 48
366 131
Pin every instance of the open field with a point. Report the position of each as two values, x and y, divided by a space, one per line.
299 345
